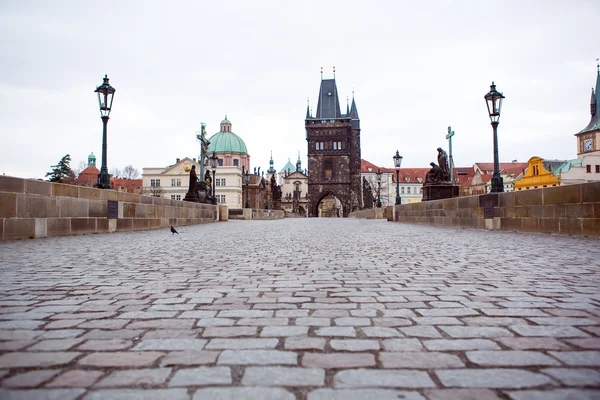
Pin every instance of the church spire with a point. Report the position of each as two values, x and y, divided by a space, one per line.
271 169
594 107
307 108
328 106
299 163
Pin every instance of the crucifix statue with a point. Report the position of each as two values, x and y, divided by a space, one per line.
203 147
450 161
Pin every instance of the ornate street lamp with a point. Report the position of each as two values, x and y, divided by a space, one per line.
494 104
106 94
397 164
378 177
214 161
247 205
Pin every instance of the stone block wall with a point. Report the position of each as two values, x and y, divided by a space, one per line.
256 214
32 209
570 209
375 213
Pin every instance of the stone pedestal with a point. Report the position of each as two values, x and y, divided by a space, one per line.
437 191
200 195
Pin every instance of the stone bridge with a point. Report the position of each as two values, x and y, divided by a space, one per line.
301 309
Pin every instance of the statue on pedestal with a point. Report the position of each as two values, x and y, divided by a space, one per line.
437 181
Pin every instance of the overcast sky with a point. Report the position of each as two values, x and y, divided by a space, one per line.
415 67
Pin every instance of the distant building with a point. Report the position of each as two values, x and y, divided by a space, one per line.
89 176
171 182
540 173
294 189
333 141
588 139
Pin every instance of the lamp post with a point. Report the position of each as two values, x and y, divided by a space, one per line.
494 104
106 94
247 205
214 161
397 164
378 177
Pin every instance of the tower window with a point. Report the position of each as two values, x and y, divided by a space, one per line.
328 169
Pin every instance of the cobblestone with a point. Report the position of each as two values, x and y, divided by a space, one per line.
202 376
283 376
444 316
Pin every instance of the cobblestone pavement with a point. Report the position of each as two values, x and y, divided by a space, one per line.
301 309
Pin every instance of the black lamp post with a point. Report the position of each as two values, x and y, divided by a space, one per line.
247 205
494 104
378 177
397 164
106 94
214 161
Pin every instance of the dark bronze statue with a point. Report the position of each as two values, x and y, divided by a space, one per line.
434 175
193 180
367 194
443 164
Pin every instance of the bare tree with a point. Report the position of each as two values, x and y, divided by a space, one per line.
80 167
116 173
382 188
154 191
129 172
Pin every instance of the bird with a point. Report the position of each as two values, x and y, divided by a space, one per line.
173 231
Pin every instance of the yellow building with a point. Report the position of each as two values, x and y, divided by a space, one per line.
540 173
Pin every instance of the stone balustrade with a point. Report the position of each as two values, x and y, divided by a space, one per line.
33 209
569 209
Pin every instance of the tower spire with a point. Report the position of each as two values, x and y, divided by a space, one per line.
307 108
347 107
321 72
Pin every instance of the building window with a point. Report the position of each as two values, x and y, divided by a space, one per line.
421 190
155 182
236 162
588 169
335 145
328 169
176 182
220 198
220 162
175 197
598 169
339 145
220 182
402 189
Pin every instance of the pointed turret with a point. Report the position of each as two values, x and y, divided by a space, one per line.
299 164
328 106
347 107
271 169
307 111
595 120
354 114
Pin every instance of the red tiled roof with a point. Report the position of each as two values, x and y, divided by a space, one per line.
490 166
412 174
132 185
365 165
88 177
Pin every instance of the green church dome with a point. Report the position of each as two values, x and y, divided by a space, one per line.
226 141
288 167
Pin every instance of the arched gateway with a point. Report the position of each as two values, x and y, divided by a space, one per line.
333 153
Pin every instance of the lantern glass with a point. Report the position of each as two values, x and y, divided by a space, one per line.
214 160
397 160
494 103
106 94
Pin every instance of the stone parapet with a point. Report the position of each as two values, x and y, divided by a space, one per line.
33 209
374 213
255 214
571 209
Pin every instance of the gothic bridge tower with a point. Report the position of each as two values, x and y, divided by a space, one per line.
333 142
